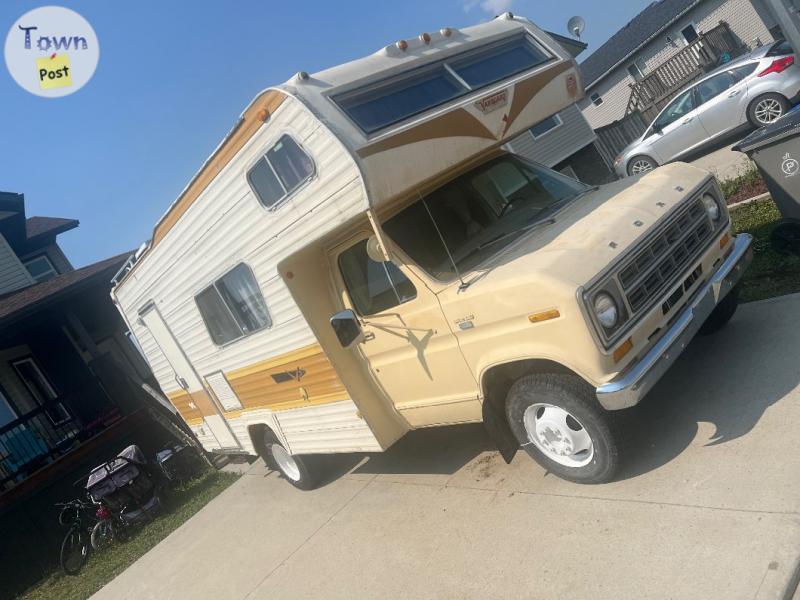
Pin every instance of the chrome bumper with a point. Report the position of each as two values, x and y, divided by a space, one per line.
631 386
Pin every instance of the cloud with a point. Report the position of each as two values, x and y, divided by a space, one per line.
493 7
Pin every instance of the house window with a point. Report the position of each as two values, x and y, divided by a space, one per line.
373 286
40 388
233 307
546 126
636 71
283 169
689 33
596 99
40 268
7 412
398 98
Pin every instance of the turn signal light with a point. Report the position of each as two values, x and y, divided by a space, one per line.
544 315
778 66
624 348
723 241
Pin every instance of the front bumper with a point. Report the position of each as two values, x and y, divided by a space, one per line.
632 385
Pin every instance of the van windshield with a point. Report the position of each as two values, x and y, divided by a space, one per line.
479 213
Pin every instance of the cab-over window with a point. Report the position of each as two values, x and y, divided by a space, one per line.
283 169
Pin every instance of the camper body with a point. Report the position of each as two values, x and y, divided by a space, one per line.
359 258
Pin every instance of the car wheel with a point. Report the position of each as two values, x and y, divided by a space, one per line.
767 109
292 467
559 422
721 314
641 164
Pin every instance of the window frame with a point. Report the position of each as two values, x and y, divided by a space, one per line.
36 257
29 358
691 92
693 25
635 64
267 326
358 88
558 123
698 99
263 156
596 99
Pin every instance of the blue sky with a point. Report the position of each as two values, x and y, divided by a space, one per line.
174 76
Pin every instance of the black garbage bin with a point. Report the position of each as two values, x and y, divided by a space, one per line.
775 148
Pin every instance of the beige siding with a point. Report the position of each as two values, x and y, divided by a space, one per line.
742 17
13 274
557 144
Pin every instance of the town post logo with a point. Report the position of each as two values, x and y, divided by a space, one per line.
51 51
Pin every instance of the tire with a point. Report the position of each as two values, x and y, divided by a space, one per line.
722 313
641 164
102 535
292 467
537 402
74 551
785 238
766 108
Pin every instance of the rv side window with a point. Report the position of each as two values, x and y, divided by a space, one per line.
373 286
398 98
233 307
280 171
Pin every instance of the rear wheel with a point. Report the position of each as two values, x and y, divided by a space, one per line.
767 109
74 550
641 164
557 419
102 534
292 467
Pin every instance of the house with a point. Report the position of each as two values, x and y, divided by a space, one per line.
667 29
566 142
67 370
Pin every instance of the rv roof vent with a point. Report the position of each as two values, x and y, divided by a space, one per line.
446 31
402 45
425 37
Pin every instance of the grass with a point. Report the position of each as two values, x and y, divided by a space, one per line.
104 566
746 184
771 274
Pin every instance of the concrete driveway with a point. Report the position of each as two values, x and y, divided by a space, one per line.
708 506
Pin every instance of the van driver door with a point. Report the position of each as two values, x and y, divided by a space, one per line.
408 345
187 378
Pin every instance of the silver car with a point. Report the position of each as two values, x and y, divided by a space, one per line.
758 87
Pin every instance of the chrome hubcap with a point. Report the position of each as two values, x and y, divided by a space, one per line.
286 462
641 166
558 435
768 110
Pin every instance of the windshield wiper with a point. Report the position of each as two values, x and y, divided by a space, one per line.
508 234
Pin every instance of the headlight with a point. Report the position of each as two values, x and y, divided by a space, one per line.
712 208
606 310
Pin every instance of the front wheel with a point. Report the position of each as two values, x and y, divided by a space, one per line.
102 534
74 551
641 164
292 467
557 419
767 109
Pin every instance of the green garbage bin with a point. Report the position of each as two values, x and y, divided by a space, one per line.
775 148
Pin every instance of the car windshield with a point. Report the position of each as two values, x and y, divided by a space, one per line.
479 213
781 48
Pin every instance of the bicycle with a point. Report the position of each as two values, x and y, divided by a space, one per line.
76 544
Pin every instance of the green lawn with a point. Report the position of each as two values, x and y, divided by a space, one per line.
771 274
103 566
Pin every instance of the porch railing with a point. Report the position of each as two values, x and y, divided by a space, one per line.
656 89
40 436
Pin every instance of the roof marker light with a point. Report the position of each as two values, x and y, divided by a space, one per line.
446 31
506 15
302 76
402 45
425 37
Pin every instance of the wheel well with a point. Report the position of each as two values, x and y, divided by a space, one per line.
497 381
757 98
259 434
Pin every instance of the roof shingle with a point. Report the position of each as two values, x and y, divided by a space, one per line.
36 226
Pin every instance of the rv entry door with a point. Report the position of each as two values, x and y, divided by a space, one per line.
412 353
187 378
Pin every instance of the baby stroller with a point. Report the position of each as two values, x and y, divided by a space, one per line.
179 462
126 486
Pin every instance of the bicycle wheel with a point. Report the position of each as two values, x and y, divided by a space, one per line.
74 550
102 534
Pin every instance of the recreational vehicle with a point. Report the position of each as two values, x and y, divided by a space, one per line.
360 257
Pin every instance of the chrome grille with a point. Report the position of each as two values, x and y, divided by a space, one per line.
666 257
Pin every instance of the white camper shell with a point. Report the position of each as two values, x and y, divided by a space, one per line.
231 299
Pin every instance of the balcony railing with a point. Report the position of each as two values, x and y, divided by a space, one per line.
657 88
40 436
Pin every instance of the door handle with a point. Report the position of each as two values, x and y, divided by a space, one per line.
689 120
734 93
368 336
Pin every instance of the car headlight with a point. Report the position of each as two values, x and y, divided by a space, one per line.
606 311
712 208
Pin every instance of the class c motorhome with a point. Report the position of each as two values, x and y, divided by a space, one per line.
360 257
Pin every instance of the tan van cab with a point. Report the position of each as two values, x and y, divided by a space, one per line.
360 257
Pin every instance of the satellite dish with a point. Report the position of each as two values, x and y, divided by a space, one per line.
576 25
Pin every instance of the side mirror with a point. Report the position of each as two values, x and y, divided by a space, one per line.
657 129
347 328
